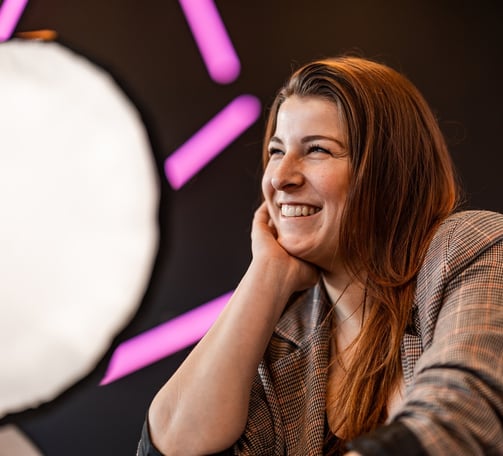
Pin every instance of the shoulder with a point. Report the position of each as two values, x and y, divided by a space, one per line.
476 228
464 261
462 237
475 224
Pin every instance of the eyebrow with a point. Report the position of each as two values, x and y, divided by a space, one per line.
311 138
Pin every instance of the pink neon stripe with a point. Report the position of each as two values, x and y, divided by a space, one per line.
211 139
212 39
163 340
10 13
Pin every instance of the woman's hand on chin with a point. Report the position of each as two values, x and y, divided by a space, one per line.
267 250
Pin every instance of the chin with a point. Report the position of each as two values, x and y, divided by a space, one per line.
294 249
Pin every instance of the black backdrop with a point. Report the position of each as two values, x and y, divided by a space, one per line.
450 49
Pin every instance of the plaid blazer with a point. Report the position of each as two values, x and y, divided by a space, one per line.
452 359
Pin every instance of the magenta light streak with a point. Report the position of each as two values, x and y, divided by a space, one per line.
211 139
163 340
212 39
10 12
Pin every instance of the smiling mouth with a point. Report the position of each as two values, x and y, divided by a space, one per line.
298 210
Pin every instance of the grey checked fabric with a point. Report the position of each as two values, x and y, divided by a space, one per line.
452 357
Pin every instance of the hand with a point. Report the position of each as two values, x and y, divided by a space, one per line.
265 247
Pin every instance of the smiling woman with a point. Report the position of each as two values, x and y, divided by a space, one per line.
370 319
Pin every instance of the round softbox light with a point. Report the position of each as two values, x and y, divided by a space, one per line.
78 230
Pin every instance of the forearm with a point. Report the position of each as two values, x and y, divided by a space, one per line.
203 407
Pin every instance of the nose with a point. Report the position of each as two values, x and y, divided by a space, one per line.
287 174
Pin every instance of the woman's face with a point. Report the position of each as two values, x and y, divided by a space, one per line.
306 180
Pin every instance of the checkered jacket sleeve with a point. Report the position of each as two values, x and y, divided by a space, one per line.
454 402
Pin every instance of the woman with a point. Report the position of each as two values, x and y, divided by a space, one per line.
370 319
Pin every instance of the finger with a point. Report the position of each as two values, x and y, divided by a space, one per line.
272 227
262 214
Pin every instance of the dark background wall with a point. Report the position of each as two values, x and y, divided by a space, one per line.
450 49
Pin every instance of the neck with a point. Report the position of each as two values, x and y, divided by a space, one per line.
348 294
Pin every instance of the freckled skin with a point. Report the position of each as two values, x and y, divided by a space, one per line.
309 165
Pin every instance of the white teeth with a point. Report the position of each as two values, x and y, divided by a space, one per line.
291 210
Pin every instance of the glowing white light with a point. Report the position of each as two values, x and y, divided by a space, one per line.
79 197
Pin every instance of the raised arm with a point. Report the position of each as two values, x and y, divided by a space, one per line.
203 407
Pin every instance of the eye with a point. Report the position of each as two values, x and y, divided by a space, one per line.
316 148
274 151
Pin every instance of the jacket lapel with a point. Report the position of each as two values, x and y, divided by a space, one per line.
300 377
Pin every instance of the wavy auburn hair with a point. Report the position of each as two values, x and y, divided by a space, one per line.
402 185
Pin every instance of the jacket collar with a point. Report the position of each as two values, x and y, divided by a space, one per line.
305 312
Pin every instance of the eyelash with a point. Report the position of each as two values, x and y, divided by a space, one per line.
274 150
311 148
318 148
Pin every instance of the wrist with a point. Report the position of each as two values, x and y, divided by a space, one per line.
275 275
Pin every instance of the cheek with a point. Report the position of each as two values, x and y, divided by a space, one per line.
335 189
266 186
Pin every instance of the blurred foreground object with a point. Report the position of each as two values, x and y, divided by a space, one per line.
13 442
78 232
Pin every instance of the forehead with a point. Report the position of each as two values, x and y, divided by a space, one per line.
309 115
